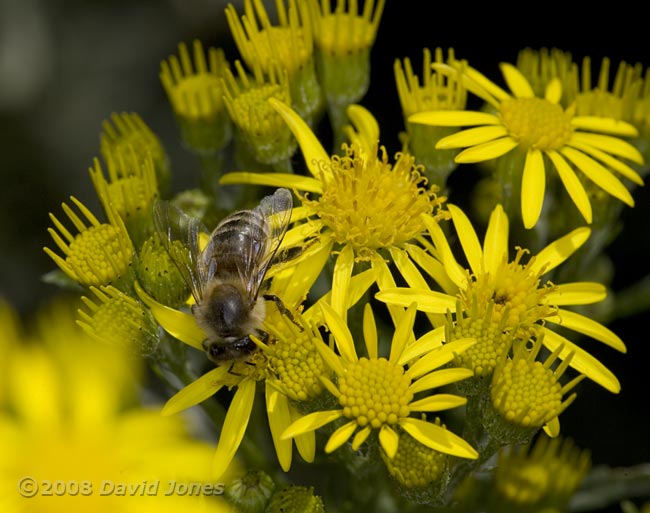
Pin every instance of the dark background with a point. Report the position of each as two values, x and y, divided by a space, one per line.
66 65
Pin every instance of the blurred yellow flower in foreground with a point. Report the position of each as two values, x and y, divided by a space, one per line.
73 437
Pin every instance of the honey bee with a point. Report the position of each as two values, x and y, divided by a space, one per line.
227 275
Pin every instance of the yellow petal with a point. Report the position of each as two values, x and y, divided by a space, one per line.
312 150
341 280
439 357
475 82
389 441
364 122
306 442
516 81
339 329
178 324
426 343
582 361
456 272
403 334
454 118
471 137
552 427
598 174
277 409
576 293
413 278
533 184
553 92
432 267
370 331
609 144
608 125
468 238
440 378
197 391
234 427
486 151
427 300
495 244
587 326
611 162
290 181
360 437
438 402
340 436
311 422
572 184
438 438
559 250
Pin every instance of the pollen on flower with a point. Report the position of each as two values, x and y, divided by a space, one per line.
415 465
99 254
513 294
537 123
294 360
117 319
370 204
375 392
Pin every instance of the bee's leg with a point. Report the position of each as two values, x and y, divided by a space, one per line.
283 309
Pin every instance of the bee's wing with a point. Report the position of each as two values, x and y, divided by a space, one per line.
179 234
275 210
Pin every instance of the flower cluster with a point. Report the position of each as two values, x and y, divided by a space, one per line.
394 333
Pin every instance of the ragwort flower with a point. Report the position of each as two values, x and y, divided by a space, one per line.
511 292
100 254
378 394
365 205
543 131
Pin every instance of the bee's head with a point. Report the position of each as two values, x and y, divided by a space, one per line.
228 349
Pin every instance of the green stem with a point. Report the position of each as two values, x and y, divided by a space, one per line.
211 170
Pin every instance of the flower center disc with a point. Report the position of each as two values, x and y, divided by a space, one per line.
375 392
537 123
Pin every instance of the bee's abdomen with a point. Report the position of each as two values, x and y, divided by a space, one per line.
238 240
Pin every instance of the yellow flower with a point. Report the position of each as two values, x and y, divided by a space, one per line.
72 441
196 96
284 364
118 320
365 205
542 130
512 292
378 394
527 393
415 465
261 130
343 38
130 195
546 472
128 142
100 254
434 91
287 46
